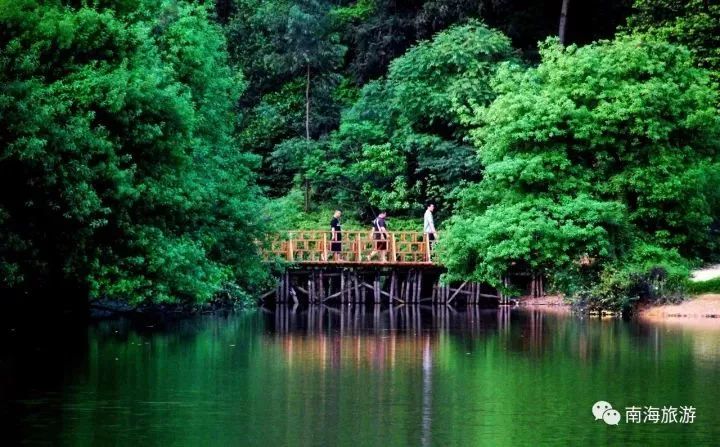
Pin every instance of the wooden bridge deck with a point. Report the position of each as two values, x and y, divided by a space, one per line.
401 269
315 248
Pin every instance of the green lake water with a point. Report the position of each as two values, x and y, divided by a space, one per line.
354 376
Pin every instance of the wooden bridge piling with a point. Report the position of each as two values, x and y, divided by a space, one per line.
353 285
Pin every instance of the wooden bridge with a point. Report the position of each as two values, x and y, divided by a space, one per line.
313 247
400 268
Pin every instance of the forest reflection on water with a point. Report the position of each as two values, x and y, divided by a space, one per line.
356 375
476 364
375 336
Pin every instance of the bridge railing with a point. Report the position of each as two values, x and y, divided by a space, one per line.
316 246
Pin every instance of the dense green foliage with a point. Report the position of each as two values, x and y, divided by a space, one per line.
349 44
119 170
606 153
694 24
140 138
402 142
709 286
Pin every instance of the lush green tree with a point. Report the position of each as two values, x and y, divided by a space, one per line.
119 173
403 141
693 23
310 44
279 42
592 157
383 31
291 54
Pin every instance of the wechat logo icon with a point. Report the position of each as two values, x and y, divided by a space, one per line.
604 411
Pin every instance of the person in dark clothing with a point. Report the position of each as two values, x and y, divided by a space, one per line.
380 236
336 235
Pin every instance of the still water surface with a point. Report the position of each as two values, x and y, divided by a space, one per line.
352 376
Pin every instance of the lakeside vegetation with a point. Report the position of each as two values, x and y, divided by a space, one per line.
700 287
146 145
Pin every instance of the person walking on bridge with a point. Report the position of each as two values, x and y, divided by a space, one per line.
429 229
380 237
336 236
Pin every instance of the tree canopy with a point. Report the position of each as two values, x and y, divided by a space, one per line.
599 152
120 174
402 142
147 147
694 24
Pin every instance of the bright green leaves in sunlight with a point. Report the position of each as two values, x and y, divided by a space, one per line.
120 175
598 152
436 82
543 235
403 140
693 23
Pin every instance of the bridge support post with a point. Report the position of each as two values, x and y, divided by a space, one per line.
363 291
310 292
418 294
342 286
321 286
356 298
416 286
378 289
411 286
286 286
393 281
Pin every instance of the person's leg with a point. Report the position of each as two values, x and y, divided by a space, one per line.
374 251
431 244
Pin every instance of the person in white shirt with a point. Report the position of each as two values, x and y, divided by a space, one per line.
429 227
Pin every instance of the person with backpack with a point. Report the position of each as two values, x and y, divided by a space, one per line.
380 237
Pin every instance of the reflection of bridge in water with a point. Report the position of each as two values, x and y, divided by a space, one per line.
405 320
385 345
380 336
399 269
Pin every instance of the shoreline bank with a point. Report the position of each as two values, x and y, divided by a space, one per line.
700 310
705 306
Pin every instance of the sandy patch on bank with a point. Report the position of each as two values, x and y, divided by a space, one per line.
706 273
702 311
549 304
548 300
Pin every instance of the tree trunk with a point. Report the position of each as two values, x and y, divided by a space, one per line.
307 132
307 104
563 21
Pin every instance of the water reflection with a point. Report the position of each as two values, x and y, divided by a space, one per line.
355 375
381 336
350 320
